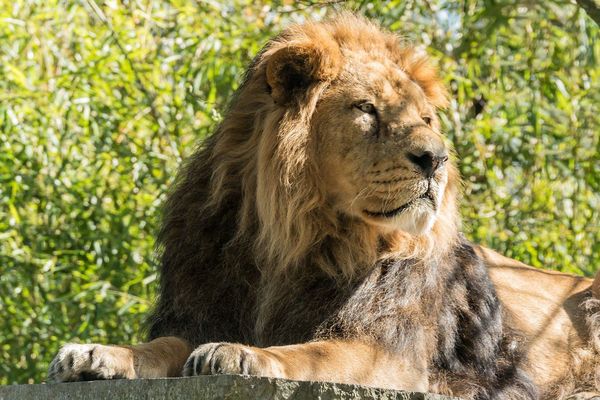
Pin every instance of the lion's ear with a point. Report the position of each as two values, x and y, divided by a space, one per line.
420 68
294 66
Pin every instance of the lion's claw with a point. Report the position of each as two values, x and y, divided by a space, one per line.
228 358
85 362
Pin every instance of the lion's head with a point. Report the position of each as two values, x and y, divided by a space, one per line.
377 144
336 144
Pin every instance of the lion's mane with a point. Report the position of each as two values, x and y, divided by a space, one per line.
251 252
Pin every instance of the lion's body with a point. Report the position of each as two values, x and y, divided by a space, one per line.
559 318
430 322
319 223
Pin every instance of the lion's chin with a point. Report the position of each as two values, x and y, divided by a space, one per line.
415 220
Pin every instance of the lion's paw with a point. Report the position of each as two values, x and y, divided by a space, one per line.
86 362
228 358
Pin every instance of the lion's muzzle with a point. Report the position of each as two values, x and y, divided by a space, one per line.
428 162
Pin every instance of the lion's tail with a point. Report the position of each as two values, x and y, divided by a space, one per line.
591 308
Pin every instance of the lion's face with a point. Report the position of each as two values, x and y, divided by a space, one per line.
378 146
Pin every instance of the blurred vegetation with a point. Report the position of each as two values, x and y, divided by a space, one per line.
100 101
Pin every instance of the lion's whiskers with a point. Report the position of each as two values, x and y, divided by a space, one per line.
389 169
362 195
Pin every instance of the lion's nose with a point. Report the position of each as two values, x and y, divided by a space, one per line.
428 162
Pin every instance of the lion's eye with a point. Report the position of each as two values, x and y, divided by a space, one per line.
427 120
366 107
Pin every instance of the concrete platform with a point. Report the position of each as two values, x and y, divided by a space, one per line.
229 387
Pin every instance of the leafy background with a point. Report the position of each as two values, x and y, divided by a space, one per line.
100 102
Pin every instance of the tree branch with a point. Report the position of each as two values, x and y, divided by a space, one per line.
592 8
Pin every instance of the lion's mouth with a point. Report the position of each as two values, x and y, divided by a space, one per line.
392 213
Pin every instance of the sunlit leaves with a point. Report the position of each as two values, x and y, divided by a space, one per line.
101 101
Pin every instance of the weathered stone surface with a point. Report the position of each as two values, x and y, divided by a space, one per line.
228 387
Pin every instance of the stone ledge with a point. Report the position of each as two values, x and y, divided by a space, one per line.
229 387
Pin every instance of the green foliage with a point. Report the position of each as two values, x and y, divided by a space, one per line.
100 102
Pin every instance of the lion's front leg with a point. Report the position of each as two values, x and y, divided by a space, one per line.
161 357
334 361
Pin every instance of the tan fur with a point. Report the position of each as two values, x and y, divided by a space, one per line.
159 358
311 174
546 306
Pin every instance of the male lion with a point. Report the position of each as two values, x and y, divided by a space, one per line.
319 223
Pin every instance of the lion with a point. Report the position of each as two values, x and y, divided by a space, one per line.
315 236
